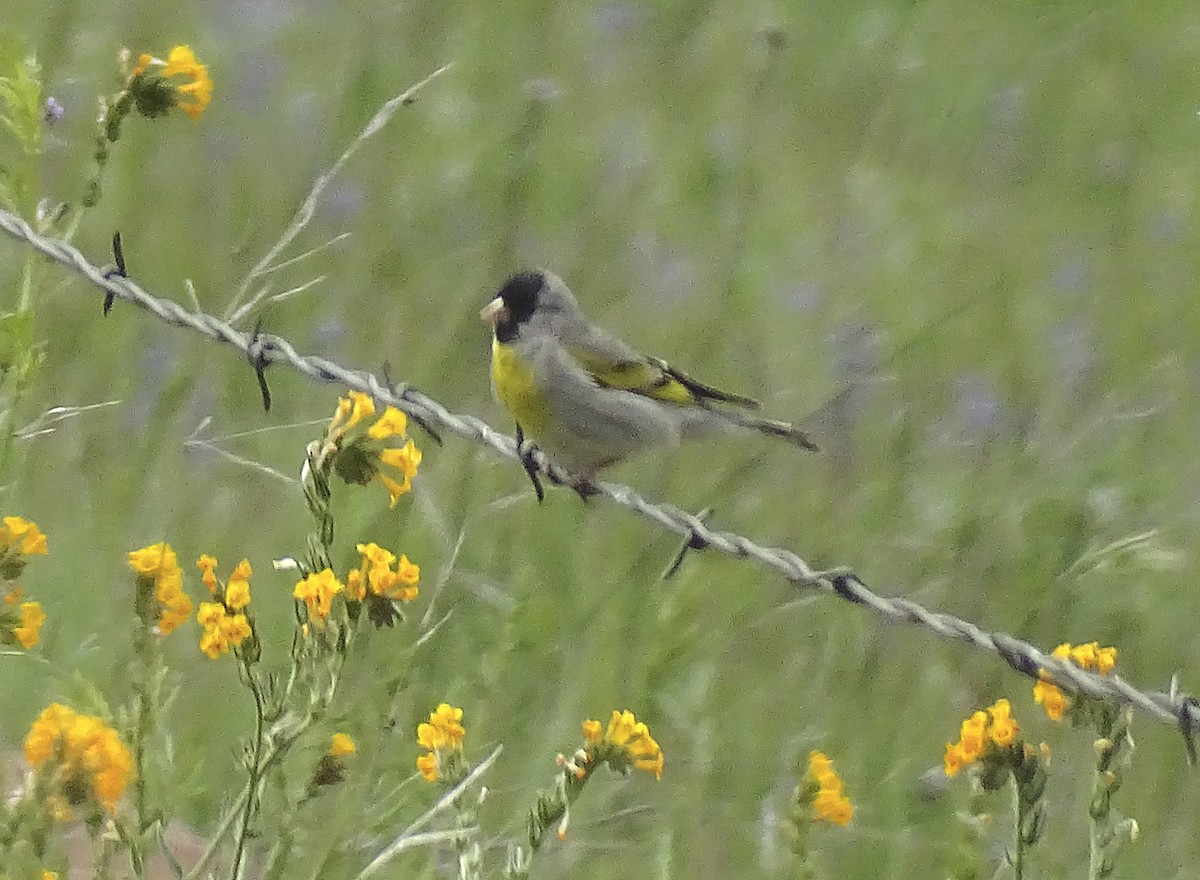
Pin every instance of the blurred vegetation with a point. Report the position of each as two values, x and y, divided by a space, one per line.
957 241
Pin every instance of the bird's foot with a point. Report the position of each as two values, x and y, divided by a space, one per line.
527 451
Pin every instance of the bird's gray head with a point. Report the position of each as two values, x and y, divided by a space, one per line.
534 300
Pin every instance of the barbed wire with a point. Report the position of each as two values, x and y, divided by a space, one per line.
264 349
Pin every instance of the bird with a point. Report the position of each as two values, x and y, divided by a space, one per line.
587 399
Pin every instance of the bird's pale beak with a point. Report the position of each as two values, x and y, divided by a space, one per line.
495 312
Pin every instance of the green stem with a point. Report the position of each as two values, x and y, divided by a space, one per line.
1018 861
201 866
145 693
254 781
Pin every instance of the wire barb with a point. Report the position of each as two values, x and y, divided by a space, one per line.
1019 654
692 542
119 259
1186 711
256 353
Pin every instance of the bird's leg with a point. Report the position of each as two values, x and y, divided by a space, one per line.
525 450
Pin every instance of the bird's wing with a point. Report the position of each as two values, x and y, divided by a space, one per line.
613 364
591 425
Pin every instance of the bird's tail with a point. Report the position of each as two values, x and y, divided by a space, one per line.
771 427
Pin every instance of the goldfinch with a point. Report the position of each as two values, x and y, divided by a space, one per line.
586 398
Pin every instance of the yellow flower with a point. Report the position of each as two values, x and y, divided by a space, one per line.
32 619
1004 728
955 760
376 573
210 614
391 423
181 81
592 732
49 875
356 590
317 592
351 410
1053 700
376 556
341 744
235 628
407 573
196 94
982 736
213 643
1084 656
625 744
427 764
1089 656
646 754
237 591
237 594
821 796
19 539
14 596
443 736
161 599
444 730
972 735
24 536
405 460
222 630
83 751
149 561
208 572
362 455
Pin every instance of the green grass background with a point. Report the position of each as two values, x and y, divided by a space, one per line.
957 240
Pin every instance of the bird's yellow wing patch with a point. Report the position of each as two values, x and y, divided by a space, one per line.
640 377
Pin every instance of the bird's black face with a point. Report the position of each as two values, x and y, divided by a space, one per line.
514 304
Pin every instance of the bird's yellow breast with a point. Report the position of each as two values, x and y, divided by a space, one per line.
517 389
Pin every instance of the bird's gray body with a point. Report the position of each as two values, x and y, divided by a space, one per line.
590 423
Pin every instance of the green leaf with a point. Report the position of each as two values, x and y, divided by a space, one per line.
21 98
16 339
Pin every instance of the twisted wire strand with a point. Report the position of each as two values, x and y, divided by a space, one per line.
265 349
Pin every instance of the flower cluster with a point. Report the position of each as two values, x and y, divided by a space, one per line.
317 591
156 86
20 622
819 797
20 625
381 582
381 586
79 758
625 744
442 737
992 738
19 539
224 620
822 792
160 599
1090 656
361 456
991 728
